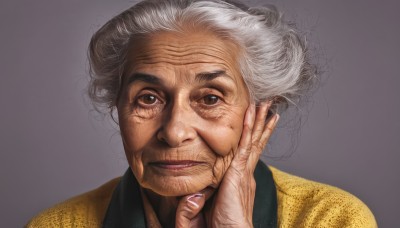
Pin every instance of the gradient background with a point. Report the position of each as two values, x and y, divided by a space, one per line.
53 147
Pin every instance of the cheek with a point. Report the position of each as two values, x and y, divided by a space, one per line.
223 139
223 135
136 133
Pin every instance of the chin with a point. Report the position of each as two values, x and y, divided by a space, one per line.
177 185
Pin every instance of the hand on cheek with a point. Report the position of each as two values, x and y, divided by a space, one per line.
232 204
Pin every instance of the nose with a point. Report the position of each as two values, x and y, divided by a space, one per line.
178 126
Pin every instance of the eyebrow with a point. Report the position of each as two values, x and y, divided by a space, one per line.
144 78
200 77
209 76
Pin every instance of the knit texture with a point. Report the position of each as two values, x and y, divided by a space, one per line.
301 203
305 203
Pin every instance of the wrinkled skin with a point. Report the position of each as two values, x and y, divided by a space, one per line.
187 128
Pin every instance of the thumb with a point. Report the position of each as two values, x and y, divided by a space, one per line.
188 211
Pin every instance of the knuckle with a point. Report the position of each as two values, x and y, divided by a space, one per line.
246 126
242 158
269 128
258 131
260 146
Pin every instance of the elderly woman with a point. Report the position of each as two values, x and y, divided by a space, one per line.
195 84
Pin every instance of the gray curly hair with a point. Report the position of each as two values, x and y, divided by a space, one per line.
274 60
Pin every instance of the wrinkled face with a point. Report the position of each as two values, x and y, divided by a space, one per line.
181 111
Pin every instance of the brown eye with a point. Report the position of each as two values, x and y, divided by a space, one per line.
148 99
210 99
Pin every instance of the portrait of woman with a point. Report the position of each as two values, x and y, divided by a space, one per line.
199 93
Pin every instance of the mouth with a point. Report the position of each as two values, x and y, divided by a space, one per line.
175 165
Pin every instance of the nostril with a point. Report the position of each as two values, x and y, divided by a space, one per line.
175 135
167 137
161 137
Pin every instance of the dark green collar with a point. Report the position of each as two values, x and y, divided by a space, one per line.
126 207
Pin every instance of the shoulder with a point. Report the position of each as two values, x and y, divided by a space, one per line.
305 203
85 210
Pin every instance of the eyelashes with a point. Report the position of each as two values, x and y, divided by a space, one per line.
148 104
148 100
210 100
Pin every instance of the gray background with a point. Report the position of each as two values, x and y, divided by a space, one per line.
53 146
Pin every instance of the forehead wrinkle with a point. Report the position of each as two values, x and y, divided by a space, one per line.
183 58
168 50
181 49
214 66
187 47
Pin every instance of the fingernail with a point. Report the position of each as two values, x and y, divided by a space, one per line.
194 200
249 115
276 118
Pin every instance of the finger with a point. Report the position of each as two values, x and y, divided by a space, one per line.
188 211
267 132
208 192
259 123
243 150
259 126
269 129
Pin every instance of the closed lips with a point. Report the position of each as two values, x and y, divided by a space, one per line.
175 164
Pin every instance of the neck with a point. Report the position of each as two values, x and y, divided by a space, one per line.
164 207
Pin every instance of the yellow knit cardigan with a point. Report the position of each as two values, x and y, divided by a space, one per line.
301 203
